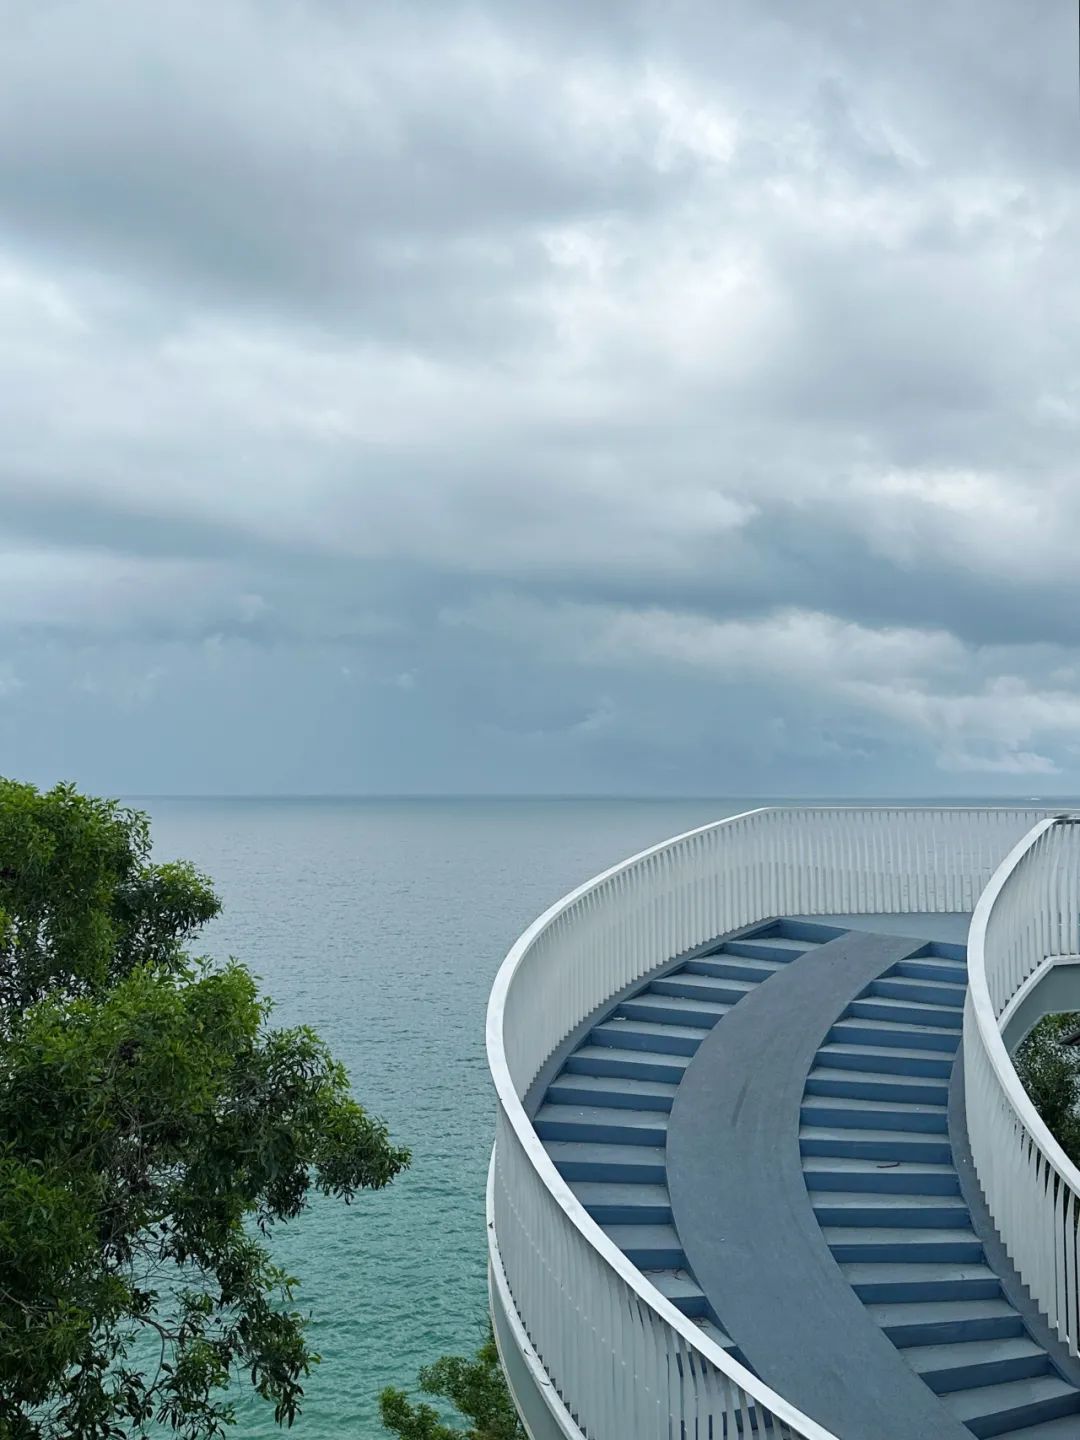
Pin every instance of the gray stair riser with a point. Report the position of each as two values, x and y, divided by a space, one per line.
855 1088
959 1252
904 1147
994 1372
901 1013
865 1032
941 1217
560 1094
654 1257
904 987
617 1036
884 1119
649 1067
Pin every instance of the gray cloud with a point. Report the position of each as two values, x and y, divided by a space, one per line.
457 397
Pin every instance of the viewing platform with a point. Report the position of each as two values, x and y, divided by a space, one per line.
762 1159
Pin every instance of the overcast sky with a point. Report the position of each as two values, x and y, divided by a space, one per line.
604 397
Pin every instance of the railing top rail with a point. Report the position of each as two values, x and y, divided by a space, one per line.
983 1006
571 1206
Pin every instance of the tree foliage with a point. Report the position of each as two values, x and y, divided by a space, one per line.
153 1130
476 1388
1050 1072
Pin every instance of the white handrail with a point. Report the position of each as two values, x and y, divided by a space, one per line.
627 1364
1029 912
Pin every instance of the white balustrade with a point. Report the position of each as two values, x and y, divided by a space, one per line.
626 1363
1028 914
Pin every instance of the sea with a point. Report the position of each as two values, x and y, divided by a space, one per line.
381 923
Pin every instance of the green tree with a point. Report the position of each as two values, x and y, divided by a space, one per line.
153 1130
1050 1072
475 1387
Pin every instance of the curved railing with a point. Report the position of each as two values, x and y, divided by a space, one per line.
624 1362
1028 914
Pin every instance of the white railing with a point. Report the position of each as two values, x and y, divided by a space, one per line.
1029 913
625 1362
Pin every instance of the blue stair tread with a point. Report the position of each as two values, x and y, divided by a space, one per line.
858 1106
716 1334
711 988
621 1025
971 1406
926 967
709 1010
814 1165
734 967
951 992
874 1054
1065 1428
588 1152
594 1089
893 1030
899 1315
676 1285
898 1236
617 1116
861 1272
611 1055
916 1084
939 1359
884 1206
844 1134
910 1012
780 943
628 1237
596 1193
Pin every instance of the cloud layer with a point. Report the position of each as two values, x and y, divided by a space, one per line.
454 397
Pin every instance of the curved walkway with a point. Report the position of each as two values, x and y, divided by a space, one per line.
744 1216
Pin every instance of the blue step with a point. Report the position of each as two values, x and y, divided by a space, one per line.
649 1247
903 1244
859 1114
907 1012
929 992
766 949
853 1207
733 967
1063 1429
710 988
887 1033
880 1282
626 1034
611 1090
869 1144
946 1322
972 1363
868 1085
633 1064
997 1409
611 1203
682 1290
635 1164
671 1010
837 1172
601 1125
926 968
888 1059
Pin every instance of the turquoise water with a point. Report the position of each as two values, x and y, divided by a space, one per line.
381 923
